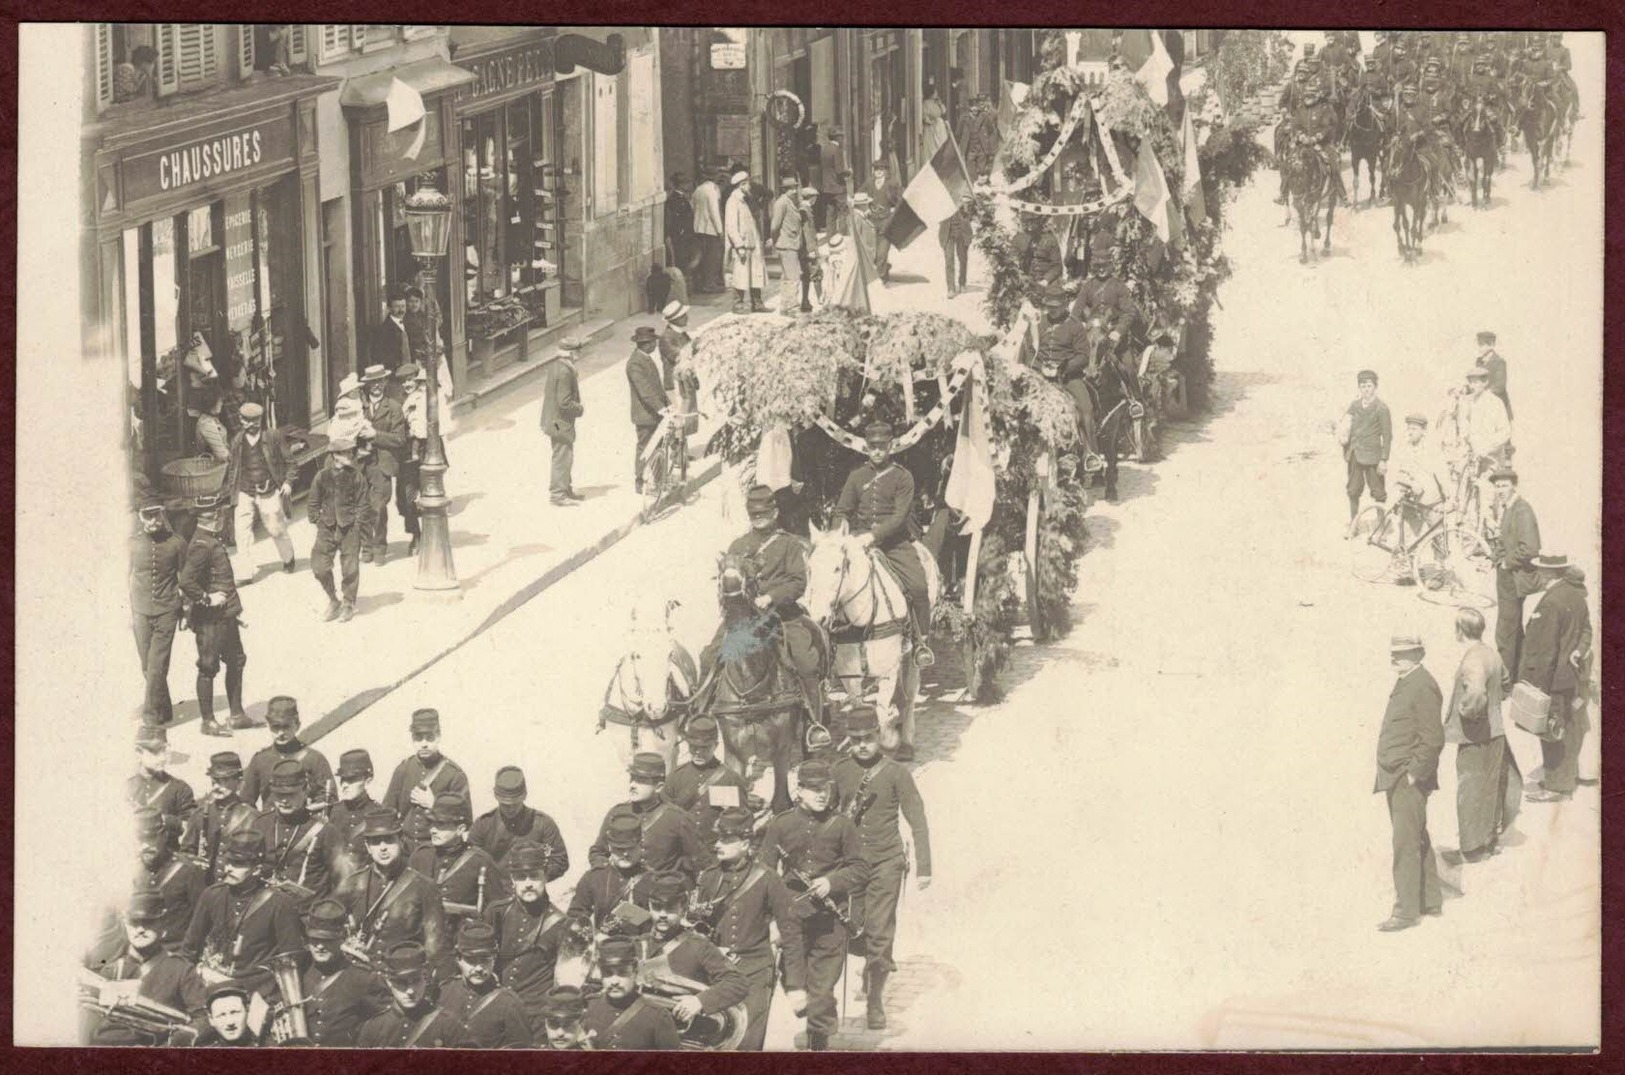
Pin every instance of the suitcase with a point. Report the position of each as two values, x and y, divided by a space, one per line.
1531 708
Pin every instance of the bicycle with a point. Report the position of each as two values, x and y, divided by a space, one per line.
665 462
1448 562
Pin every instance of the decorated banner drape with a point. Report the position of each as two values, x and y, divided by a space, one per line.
962 370
1081 110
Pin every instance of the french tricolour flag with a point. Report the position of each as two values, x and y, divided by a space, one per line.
931 197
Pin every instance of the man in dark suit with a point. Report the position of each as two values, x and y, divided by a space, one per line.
648 395
337 504
1408 749
1491 361
1555 648
389 445
830 175
561 407
1516 544
391 346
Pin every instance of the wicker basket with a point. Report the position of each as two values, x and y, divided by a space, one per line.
189 477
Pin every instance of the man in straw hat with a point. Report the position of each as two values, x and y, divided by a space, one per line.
747 265
1408 748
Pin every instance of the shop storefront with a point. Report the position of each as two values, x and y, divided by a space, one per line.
511 262
204 219
386 167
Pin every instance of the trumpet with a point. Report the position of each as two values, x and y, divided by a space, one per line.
290 1024
713 1030
138 1013
469 910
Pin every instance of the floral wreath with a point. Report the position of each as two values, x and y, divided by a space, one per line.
779 104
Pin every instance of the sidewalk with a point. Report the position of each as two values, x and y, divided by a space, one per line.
509 542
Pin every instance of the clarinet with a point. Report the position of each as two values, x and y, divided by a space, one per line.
823 903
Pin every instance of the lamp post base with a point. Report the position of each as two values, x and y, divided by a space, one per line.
436 572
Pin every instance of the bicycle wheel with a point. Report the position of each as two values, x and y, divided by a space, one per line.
1454 566
1371 552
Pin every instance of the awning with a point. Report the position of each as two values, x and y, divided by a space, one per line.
431 76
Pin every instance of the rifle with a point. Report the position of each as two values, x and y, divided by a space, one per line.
800 885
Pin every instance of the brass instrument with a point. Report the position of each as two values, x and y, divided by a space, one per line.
713 1030
138 1013
290 1024
469 910
361 947
798 882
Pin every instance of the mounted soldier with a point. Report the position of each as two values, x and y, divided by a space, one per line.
1315 125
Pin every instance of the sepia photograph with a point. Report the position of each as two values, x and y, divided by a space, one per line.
808 539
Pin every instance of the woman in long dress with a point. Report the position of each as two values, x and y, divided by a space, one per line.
933 123
746 263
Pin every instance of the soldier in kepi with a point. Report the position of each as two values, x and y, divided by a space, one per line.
221 812
156 557
152 787
388 902
339 996
299 844
469 879
817 850
529 932
241 924
877 505
215 612
737 902
688 954
671 840
490 1013
780 563
874 790
563 1009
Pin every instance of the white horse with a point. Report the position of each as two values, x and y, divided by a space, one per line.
644 703
863 604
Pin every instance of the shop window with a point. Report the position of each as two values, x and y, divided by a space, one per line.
510 220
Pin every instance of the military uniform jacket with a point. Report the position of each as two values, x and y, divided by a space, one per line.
494 1019
1560 626
210 822
874 798
1517 543
339 1001
392 911
780 560
458 876
822 845
528 944
346 821
246 930
169 796
1317 123
428 1027
1109 300
208 569
693 957
444 776
1063 346
753 897
180 884
689 786
256 789
496 837
155 566
163 979
1412 734
603 888
298 852
632 1024
671 839
338 496
1040 256
878 501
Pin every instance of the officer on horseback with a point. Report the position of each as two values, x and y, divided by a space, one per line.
1402 70
1106 299
1484 86
1291 99
1315 126
877 504
779 560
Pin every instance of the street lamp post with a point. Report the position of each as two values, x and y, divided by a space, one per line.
428 220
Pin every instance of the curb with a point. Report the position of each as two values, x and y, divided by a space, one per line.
708 470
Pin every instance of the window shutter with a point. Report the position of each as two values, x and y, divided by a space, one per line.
168 62
334 40
298 50
358 36
195 61
245 50
104 64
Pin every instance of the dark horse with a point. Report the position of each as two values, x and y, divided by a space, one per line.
1538 120
1480 145
748 687
1368 137
1409 182
1310 182
1107 407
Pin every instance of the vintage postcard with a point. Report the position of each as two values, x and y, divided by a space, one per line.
817 539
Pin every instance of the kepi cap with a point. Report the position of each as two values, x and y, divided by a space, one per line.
225 765
288 775
380 822
736 822
649 767
354 764
509 787
476 939
282 712
449 808
624 832
761 500
326 921
425 721
527 860
702 730
668 888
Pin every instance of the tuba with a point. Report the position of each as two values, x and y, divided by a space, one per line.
135 1012
290 1024
717 1030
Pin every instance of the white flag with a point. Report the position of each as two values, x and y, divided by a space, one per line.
1153 74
